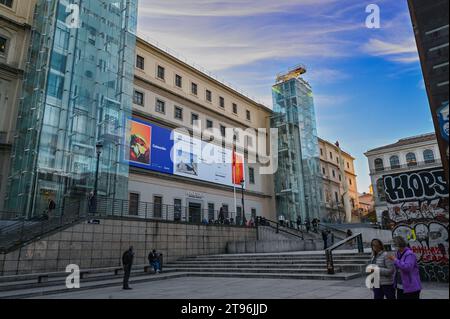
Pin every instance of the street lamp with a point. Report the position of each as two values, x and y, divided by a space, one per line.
243 209
99 148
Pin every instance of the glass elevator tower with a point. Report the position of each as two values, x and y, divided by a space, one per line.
77 92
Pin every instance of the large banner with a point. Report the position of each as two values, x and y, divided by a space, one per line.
159 149
418 211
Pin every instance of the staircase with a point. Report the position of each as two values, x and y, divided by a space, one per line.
308 265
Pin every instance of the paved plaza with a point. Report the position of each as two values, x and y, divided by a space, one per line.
238 288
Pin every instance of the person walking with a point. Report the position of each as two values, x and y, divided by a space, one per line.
330 239
324 238
221 215
386 268
407 278
281 220
51 207
127 261
155 261
299 222
308 225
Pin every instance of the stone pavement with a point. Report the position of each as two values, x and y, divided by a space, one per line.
238 288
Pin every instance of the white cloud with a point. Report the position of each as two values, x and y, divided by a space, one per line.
220 8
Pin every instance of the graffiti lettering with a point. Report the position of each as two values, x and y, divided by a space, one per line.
415 185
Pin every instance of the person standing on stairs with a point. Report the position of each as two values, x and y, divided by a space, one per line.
386 267
127 261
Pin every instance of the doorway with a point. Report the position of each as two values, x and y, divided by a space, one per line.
195 212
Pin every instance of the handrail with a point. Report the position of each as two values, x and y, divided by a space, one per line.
326 227
260 222
329 250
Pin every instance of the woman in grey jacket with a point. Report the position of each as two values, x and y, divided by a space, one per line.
387 270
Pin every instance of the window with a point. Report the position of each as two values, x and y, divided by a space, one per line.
379 165
160 106
7 3
334 173
209 124
254 213
211 211
208 96
428 156
348 165
133 205
138 98
225 210
249 140
3 42
55 85
411 159
194 117
157 206
248 115
194 88
251 175
336 197
323 170
221 101
140 62
222 130
177 209
350 181
394 161
178 81
321 152
331 155
161 72
235 108
380 190
178 113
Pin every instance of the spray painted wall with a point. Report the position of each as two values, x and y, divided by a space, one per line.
418 211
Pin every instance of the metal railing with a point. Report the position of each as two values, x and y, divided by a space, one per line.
399 167
287 229
19 231
329 250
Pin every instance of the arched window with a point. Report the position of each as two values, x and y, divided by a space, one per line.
379 165
380 190
411 159
395 162
428 156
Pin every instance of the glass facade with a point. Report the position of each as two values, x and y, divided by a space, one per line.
298 182
77 92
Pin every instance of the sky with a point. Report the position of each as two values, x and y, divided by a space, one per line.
367 83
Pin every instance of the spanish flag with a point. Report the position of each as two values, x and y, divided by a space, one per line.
238 168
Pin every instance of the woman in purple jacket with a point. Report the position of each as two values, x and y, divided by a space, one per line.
407 278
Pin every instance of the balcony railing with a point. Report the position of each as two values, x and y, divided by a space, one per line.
400 167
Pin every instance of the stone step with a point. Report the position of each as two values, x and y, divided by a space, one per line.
322 270
61 288
271 261
26 284
311 260
284 266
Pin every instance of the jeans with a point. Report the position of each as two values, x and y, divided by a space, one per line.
387 291
409 295
126 275
156 265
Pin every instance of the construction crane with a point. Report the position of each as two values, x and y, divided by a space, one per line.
293 73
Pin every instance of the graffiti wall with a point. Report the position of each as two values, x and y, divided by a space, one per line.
418 211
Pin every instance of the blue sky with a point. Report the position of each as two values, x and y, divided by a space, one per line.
367 83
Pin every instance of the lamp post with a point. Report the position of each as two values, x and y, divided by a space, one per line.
243 209
98 148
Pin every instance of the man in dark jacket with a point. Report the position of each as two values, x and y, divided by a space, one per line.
127 261
324 238
155 261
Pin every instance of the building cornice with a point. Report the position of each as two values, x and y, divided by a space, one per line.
203 75
188 181
220 114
